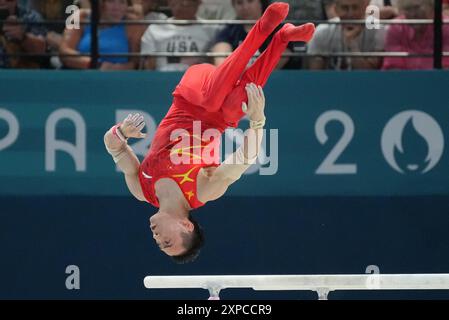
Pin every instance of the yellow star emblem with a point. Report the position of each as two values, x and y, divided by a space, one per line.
185 176
190 194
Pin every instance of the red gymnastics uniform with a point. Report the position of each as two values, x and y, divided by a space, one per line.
214 96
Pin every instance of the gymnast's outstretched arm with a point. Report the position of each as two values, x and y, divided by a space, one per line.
116 144
237 163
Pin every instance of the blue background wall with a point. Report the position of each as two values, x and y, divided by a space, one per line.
295 222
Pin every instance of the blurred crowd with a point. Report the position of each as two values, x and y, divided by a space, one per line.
27 43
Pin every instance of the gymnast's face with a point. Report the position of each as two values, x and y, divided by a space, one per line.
168 232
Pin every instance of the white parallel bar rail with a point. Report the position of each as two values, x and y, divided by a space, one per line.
322 284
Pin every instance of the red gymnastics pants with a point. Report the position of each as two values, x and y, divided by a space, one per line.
222 89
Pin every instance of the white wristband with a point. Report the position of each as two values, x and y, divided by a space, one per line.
257 124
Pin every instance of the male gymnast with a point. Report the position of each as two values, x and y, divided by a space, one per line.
178 178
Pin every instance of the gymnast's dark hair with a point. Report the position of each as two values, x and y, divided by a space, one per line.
194 242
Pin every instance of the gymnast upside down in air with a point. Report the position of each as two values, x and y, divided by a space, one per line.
217 97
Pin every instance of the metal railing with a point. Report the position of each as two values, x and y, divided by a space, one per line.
220 54
237 22
95 22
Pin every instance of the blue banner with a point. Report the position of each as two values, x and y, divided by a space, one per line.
359 133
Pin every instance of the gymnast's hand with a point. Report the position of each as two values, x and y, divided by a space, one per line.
132 126
256 103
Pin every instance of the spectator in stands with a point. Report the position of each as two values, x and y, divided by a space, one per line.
216 10
83 4
23 3
20 38
388 8
148 10
414 38
52 10
232 35
446 7
113 38
193 38
311 9
351 38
